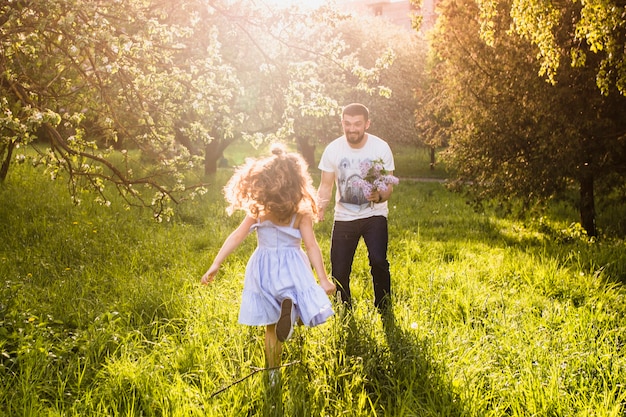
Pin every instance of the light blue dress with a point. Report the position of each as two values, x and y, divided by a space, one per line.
280 269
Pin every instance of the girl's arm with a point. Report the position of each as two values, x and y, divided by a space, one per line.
314 253
230 244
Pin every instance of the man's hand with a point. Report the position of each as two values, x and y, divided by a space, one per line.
374 196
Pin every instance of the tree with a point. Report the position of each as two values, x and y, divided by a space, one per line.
81 74
511 133
303 65
596 35
393 100
135 93
284 58
383 61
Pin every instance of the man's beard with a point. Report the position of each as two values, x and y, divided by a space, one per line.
355 138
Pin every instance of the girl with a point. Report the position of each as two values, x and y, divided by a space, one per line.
277 195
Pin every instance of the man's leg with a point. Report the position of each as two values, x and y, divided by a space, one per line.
375 234
344 241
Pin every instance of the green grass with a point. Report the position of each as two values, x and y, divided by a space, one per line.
102 314
411 162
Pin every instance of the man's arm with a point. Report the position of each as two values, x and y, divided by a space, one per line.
324 192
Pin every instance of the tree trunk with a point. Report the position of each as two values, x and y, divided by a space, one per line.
213 151
6 160
211 155
306 150
587 203
432 158
187 143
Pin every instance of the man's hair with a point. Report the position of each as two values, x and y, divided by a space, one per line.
356 109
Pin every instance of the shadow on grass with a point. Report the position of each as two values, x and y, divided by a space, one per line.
400 375
362 366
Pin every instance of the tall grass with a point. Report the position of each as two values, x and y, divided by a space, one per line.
102 314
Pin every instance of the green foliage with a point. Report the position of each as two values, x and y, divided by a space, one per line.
511 133
102 313
392 114
88 78
596 38
174 81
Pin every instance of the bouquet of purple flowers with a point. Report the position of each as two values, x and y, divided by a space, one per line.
374 177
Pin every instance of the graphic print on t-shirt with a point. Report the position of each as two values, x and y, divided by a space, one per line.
349 176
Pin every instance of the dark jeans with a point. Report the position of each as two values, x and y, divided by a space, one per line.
345 238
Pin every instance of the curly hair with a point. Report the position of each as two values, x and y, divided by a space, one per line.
279 184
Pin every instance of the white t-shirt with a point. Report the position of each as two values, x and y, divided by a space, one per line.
343 160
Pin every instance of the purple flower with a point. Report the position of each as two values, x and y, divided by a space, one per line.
375 177
365 166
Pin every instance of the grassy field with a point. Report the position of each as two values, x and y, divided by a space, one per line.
411 162
102 314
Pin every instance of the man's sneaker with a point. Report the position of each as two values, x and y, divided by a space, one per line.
284 326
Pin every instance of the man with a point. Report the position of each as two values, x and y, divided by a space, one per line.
357 214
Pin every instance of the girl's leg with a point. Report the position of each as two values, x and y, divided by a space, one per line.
273 347
273 352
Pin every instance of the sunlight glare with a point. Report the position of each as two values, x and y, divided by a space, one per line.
309 4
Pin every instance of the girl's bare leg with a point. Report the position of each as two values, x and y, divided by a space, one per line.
273 347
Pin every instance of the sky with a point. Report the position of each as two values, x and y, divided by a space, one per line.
303 3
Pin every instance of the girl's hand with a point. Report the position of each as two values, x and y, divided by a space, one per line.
329 287
209 275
